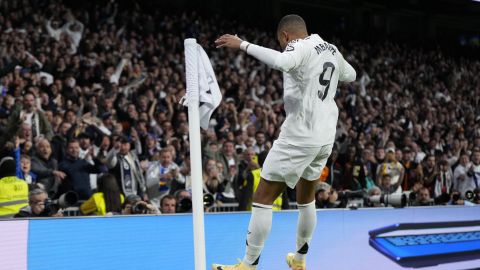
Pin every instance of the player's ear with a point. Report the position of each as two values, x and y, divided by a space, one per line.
285 36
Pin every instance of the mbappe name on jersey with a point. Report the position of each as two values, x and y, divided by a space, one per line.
325 47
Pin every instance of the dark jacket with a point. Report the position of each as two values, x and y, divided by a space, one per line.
59 146
78 176
27 212
44 171
243 186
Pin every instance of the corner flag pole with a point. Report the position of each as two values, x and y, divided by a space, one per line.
191 66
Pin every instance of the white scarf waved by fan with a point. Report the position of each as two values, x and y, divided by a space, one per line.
210 95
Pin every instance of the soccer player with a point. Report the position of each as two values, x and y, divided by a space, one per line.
311 70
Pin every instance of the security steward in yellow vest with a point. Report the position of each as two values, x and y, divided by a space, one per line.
13 191
277 204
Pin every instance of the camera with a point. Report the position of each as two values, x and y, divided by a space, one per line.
65 200
139 208
352 199
412 196
185 204
395 200
472 195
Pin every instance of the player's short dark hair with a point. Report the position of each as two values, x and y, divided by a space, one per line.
292 23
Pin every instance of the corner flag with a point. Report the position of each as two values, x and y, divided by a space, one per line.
209 91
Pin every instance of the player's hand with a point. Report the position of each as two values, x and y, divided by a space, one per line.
229 41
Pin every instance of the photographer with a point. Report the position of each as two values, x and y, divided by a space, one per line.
168 204
456 199
476 196
38 206
325 197
374 191
135 206
423 198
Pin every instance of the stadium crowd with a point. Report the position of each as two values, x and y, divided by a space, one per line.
90 104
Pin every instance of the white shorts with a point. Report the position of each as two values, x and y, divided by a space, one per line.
288 163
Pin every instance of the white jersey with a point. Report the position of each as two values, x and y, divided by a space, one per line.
311 71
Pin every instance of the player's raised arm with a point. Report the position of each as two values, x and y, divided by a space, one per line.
286 61
290 29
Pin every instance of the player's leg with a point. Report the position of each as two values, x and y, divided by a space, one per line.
259 226
261 219
307 221
307 218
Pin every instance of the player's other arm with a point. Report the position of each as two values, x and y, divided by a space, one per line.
347 72
285 62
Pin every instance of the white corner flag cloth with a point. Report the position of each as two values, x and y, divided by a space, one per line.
210 95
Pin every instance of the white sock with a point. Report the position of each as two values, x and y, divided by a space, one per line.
258 230
307 221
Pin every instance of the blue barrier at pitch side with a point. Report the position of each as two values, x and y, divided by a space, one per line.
166 242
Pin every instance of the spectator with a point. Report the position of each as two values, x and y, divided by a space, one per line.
412 170
212 179
229 159
370 163
78 172
46 167
228 193
59 141
244 179
185 176
333 171
108 199
429 170
31 117
461 181
394 169
259 142
125 166
386 184
163 177
25 170
351 168
443 181
474 170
